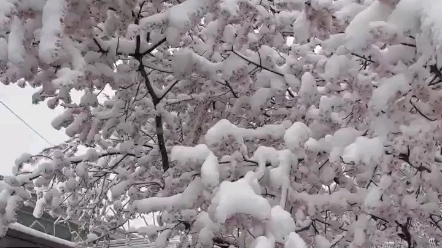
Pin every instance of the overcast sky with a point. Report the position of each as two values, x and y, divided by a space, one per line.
15 137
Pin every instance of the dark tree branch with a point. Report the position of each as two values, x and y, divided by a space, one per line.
322 165
153 47
436 223
376 218
408 44
250 161
105 52
406 158
107 154
158 118
156 69
437 75
363 57
406 235
420 112
231 89
155 99
306 228
256 64
262 67
168 90
222 242
161 142
149 87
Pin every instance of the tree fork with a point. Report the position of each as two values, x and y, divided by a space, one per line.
155 99
158 118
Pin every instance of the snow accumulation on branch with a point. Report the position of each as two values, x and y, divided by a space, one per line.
261 124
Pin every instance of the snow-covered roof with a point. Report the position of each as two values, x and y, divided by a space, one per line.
35 233
139 243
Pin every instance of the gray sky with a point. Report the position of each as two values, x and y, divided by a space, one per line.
15 137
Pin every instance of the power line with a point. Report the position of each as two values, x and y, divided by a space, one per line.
16 115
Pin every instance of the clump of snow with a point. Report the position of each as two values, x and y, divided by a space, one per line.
297 135
183 63
295 241
3 52
91 155
292 81
321 145
224 128
309 90
155 204
180 15
24 158
364 150
146 230
239 198
203 221
340 139
335 66
179 201
333 42
347 12
410 202
282 223
275 131
163 238
184 153
50 40
63 120
430 19
205 237
265 154
279 176
373 197
385 182
91 237
89 99
263 242
220 130
16 50
210 171
387 91
322 242
301 28
251 179
259 98
383 31
358 31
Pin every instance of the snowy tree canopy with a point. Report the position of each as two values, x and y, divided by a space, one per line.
261 124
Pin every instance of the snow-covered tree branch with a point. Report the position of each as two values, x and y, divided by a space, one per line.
262 124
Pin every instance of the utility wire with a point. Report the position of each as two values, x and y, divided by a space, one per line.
16 115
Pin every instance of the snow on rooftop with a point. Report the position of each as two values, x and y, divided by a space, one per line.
139 243
35 233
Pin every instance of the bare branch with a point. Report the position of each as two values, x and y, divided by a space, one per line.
168 90
153 47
